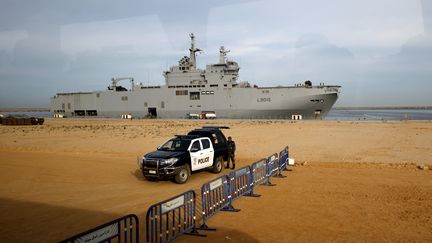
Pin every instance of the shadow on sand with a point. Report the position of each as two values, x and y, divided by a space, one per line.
37 222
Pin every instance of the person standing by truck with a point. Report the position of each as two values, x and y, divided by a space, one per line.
231 153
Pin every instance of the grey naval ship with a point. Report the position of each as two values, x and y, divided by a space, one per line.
189 90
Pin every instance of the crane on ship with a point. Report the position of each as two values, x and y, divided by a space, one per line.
120 88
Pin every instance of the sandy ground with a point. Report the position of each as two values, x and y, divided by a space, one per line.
359 183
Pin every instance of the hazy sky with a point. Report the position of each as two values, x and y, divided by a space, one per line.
379 51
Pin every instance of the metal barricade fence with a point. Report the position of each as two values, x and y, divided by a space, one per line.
169 219
283 162
215 198
259 173
121 230
240 183
272 164
272 168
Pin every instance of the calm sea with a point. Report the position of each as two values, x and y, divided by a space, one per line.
346 114
403 114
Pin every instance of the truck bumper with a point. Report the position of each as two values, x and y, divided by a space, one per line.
160 173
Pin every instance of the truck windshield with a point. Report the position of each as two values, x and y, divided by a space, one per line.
175 145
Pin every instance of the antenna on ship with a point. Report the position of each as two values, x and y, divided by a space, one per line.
222 54
193 50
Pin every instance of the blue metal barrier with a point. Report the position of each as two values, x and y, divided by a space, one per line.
272 168
124 229
259 173
283 162
241 183
172 218
272 164
215 197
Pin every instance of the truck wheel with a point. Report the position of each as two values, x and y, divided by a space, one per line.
217 166
183 175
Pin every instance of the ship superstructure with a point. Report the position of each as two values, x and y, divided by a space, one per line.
190 90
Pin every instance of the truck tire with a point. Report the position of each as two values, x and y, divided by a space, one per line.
217 165
183 175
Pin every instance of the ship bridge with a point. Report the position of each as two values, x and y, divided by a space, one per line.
187 73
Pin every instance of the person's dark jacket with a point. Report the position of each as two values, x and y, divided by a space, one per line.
231 147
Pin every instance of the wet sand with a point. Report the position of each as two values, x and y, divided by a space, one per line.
359 181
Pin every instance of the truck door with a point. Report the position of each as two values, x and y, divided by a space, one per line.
196 155
208 152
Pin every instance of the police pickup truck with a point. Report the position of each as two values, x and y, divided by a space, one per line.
203 148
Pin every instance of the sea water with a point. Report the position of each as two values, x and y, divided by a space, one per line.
378 114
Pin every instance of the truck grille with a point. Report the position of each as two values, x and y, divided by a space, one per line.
152 163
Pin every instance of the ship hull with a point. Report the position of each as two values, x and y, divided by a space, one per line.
227 102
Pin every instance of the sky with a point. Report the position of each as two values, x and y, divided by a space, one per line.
379 51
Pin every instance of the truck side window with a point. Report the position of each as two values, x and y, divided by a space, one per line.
205 143
220 138
215 140
196 145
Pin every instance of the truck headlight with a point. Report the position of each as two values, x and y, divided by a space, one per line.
140 161
168 161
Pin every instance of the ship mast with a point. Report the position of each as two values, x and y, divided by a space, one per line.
192 54
222 54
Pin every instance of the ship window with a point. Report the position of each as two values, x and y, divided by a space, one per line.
69 106
79 112
145 104
63 106
124 98
194 96
163 104
225 85
179 68
212 92
207 92
181 92
91 112
214 85
202 92
170 87
194 86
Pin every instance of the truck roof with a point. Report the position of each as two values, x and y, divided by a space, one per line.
187 137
